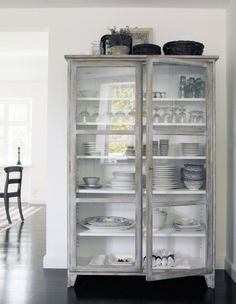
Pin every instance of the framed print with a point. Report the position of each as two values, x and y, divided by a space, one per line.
141 35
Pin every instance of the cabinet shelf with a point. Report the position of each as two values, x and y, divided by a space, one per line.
98 124
144 99
100 98
165 232
192 125
114 191
178 100
109 200
133 157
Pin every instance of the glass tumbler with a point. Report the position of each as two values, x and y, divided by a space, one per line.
96 48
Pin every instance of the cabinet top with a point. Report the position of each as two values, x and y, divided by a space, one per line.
138 57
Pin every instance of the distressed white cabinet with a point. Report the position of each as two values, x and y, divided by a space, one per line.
144 126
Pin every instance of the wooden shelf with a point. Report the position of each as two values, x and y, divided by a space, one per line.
97 124
165 232
144 157
100 98
193 125
106 190
178 99
167 99
180 191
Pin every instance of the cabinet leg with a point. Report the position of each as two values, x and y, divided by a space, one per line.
210 280
71 278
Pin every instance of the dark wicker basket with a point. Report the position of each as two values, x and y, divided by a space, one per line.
183 47
146 49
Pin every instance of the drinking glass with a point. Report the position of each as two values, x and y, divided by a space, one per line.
84 115
182 115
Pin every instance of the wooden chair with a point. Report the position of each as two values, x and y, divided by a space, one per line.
6 195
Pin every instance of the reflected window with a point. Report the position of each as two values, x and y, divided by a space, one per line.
121 109
15 130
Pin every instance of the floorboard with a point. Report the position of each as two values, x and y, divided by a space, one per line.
24 281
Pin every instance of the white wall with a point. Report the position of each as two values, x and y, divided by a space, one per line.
230 262
23 74
71 32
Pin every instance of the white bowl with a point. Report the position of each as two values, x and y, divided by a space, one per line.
193 185
91 180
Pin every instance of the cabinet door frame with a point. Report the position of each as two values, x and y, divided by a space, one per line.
210 186
73 239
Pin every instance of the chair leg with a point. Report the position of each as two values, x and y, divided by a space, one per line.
6 203
20 209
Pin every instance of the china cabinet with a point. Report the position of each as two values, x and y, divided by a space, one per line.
141 166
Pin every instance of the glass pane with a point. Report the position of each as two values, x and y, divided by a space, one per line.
2 109
106 100
179 154
18 137
105 175
179 237
18 112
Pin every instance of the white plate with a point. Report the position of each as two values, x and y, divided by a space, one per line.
105 229
108 221
185 221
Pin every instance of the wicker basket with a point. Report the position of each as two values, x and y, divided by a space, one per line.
183 47
146 49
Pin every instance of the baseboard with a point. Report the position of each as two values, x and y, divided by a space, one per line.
230 268
59 262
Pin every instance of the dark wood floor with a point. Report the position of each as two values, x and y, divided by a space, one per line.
24 281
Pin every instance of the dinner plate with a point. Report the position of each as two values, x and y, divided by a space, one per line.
105 229
84 186
108 221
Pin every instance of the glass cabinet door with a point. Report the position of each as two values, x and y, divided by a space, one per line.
179 143
107 171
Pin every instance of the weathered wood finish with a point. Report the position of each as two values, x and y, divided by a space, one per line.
74 62
149 169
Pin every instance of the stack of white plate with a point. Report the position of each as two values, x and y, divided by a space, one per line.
90 148
123 180
164 177
187 224
190 149
107 223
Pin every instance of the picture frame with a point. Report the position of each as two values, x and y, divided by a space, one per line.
141 35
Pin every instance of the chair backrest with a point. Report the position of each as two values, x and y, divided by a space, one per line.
9 180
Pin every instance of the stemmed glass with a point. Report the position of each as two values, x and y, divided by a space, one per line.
175 116
182 115
84 115
199 117
166 116
95 114
156 116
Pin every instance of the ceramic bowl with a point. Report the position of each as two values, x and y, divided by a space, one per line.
192 175
193 185
91 180
195 168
